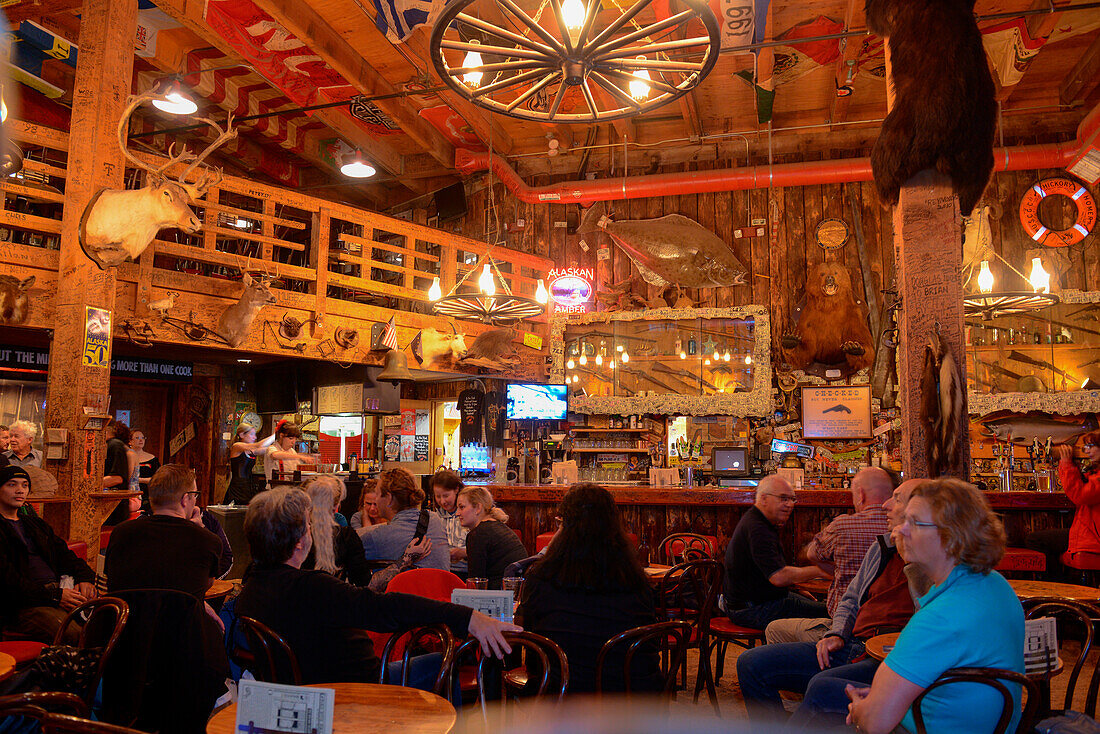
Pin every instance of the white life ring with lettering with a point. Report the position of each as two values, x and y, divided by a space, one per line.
1036 230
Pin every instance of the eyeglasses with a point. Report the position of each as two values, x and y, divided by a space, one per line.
196 493
784 498
920 523
1088 445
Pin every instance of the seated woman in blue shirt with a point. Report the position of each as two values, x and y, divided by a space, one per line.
969 618
399 499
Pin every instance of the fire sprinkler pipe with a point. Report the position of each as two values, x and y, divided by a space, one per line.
808 173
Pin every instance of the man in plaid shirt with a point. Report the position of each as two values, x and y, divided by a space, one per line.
839 550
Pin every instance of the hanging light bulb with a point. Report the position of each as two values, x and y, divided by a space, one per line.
985 278
576 378
1039 278
599 360
3 110
584 358
472 79
355 167
570 364
625 357
175 102
683 355
540 292
639 86
435 292
727 356
618 347
487 284
573 12
748 359
611 365
706 362
717 355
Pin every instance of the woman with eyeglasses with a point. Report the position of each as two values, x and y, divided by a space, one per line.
1082 487
969 618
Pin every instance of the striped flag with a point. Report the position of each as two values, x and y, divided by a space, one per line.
399 18
389 336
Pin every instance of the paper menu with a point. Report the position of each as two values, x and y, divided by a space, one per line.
1040 645
499 605
271 707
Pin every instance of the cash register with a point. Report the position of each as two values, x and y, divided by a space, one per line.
730 466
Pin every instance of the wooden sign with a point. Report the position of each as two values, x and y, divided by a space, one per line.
181 439
840 412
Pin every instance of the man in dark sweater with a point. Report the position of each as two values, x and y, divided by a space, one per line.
33 561
169 549
322 618
757 576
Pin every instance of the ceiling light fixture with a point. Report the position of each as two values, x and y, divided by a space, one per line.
174 101
486 305
586 64
989 305
355 167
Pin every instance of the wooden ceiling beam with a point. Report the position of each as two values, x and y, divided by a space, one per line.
1083 77
690 112
189 13
311 29
845 73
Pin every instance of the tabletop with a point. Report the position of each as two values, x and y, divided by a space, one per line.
370 708
1028 589
7 665
879 646
818 587
218 589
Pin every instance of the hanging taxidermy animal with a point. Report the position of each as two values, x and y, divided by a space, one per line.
671 250
14 303
431 347
941 406
118 224
492 349
237 318
832 330
945 107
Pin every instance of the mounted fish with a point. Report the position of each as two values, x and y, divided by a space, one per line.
118 224
671 250
1027 428
237 318
14 305
832 331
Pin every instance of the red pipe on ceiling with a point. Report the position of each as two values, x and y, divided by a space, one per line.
1048 155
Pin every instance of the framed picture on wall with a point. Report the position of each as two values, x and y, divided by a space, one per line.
838 412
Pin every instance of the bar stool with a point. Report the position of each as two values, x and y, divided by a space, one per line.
1085 562
1023 560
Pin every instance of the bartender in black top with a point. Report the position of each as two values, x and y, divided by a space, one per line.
757 575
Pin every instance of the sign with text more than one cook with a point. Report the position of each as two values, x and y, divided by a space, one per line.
571 289
838 412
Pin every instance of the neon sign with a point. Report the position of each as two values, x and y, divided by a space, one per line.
571 289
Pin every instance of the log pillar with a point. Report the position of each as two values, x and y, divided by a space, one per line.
103 75
928 249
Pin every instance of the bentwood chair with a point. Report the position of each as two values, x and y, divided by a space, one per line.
103 622
45 701
689 591
268 655
680 547
422 640
994 678
667 642
47 722
1076 629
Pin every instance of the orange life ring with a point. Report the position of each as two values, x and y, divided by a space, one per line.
1086 212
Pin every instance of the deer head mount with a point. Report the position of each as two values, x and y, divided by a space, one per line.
237 318
118 225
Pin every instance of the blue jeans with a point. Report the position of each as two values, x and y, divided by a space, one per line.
423 670
765 671
758 616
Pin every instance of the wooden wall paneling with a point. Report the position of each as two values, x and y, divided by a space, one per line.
688 206
655 207
761 277
778 289
639 209
813 206
739 217
723 227
794 219
705 204
1013 239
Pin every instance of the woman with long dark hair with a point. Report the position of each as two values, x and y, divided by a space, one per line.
588 588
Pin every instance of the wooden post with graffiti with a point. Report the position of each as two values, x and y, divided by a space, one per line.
80 354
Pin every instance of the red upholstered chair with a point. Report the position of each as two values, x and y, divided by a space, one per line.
24 651
80 548
1023 560
429 582
688 591
723 632
542 540
680 547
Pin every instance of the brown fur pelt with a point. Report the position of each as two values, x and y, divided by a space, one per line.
832 329
941 406
930 412
945 106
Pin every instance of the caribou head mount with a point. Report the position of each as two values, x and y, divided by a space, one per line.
117 225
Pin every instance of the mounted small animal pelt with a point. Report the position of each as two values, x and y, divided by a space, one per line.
941 406
930 411
14 303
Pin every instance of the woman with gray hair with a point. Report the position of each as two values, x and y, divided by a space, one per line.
324 619
336 549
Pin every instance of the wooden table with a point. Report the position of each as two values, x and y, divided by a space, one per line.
218 589
876 646
370 708
655 572
7 665
818 588
1028 589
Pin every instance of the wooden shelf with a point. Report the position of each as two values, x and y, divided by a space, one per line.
117 495
610 451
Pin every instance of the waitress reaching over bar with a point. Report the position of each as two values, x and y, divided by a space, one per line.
282 458
1082 488
242 457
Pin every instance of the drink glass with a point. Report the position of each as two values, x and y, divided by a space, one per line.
477 583
513 584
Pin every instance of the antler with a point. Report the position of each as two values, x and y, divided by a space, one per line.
184 157
132 104
198 189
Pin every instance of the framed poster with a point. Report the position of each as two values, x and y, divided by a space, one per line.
841 411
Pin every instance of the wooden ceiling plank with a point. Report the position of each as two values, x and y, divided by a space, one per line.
189 13
1083 77
313 30
845 76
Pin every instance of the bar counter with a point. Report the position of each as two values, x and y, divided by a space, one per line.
654 512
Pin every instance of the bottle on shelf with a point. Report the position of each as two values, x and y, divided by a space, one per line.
692 347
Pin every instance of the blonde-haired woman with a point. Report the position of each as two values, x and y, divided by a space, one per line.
242 457
336 549
490 544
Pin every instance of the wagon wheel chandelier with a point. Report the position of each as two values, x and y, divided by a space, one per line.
576 63
989 305
487 305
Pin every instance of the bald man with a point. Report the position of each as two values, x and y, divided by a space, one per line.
878 600
838 551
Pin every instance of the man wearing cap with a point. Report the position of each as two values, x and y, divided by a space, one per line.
33 560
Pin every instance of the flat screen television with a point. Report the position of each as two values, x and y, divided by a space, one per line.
537 402
730 461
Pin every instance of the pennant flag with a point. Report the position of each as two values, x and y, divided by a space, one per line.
389 336
798 59
741 22
32 46
765 97
397 19
453 127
